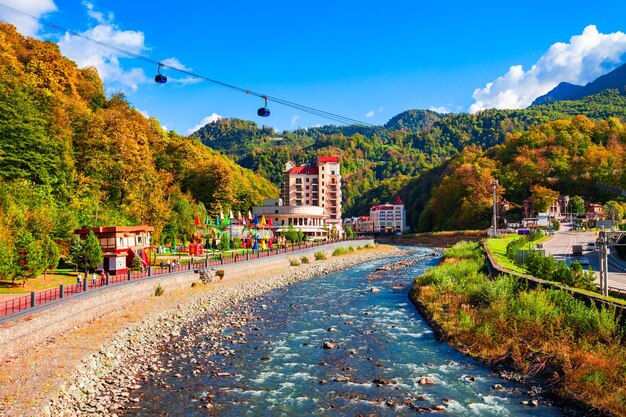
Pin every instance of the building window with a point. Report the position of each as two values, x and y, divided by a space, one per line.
275 211
332 172
322 177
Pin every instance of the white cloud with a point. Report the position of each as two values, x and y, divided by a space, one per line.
107 61
372 113
26 25
294 120
175 63
584 58
209 119
440 109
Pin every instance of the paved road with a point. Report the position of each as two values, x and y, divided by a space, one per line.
560 246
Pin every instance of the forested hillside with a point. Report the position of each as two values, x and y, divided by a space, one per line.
564 156
377 162
71 157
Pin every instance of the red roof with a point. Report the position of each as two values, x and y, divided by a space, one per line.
323 159
304 170
364 218
398 202
382 207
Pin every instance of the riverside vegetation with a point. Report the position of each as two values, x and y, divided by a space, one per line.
577 350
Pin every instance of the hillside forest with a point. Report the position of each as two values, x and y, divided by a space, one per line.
70 157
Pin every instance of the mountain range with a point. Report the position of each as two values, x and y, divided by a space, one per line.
615 79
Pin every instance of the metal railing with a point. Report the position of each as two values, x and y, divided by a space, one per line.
27 301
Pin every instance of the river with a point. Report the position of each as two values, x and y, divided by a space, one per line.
275 363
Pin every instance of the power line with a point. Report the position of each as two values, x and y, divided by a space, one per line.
307 109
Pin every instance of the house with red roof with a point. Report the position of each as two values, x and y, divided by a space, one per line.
389 218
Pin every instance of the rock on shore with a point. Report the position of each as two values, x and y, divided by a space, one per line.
104 382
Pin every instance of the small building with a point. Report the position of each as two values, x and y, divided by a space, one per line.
389 218
312 220
120 245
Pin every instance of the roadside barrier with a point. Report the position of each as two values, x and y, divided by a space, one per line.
34 299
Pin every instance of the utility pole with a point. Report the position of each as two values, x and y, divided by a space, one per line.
603 253
495 207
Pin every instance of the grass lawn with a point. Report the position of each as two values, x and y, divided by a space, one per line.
497 247
63 275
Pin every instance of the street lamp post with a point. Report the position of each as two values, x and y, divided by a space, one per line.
495 207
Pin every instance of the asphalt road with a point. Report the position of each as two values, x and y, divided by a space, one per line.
560 246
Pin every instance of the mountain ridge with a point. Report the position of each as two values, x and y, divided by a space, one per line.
615 79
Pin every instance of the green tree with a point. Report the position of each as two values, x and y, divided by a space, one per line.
576 205
50 254
8 261
224 242
236 242
291 234
349 232
92 252
29 257
77 253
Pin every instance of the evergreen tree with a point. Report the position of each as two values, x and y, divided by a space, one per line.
77 253
92 252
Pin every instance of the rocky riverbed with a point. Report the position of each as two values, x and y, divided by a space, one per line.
104 384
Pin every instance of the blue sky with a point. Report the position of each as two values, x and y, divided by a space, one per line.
365 60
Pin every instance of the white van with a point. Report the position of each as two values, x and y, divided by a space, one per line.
591 245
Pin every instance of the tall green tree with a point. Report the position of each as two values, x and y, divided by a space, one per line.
92 252
77 252
29 256
49 254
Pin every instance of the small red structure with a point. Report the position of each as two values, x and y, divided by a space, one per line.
120 245
196 248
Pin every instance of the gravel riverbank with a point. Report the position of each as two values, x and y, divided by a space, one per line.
103 383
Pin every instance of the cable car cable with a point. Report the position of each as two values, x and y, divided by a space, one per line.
307 109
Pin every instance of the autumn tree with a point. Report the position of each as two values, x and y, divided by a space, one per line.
543 197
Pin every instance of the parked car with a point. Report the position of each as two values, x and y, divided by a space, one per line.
591 246
553 232
584 261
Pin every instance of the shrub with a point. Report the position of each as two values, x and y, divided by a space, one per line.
514 246
158 291
464 250
359 248
340 251
294 262
368 246
502 289
350 249
320 256
304 260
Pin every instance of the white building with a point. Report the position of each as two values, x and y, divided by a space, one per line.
389 218
312 220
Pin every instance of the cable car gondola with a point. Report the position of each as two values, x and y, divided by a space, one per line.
264 111
160 78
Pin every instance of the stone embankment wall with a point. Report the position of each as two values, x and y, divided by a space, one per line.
37 325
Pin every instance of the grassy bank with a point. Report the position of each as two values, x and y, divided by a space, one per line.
577 350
